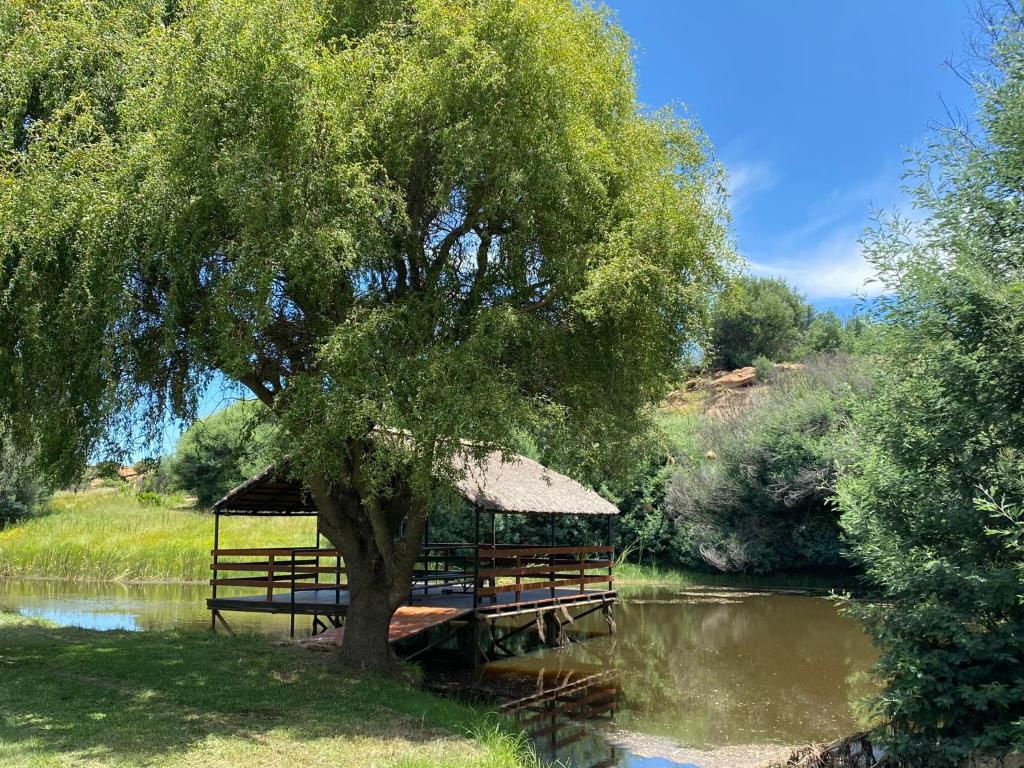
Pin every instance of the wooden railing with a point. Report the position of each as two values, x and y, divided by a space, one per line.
486 570
517 569
274 569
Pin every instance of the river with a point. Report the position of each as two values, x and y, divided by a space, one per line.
719 678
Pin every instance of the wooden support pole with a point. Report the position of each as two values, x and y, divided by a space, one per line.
216 546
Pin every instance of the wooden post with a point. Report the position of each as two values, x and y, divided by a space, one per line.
291 623
494 553
216 546
551 557
582 556
611 552
476 559
519 581
270 578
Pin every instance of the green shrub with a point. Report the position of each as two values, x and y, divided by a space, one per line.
219 452
765 368
759 500
21 486
932 507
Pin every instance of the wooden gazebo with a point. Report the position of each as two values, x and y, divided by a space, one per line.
455 584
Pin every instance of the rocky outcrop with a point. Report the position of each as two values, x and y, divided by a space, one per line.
721 393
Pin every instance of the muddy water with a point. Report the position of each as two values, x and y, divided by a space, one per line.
708 677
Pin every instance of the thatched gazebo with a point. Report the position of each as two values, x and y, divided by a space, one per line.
481 579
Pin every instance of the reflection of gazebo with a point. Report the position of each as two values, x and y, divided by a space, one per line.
455 584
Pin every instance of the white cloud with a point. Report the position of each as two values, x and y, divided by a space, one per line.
834 268
747 179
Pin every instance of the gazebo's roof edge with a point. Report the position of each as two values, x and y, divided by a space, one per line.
519 486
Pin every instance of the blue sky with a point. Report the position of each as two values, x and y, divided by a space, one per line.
812 106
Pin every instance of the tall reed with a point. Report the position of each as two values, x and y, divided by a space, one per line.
109 535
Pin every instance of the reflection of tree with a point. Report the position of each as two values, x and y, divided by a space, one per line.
765 668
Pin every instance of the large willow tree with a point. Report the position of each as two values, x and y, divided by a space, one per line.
398 224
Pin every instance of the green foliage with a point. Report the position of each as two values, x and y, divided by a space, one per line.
824 335
21 487
219 452
459 225
759 501
757 317
932 507
765 368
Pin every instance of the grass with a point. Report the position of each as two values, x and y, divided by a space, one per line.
75 697
633 575
109 535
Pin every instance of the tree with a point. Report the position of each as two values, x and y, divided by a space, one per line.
757 317
223 450
825 334
20 485
932 508
400 226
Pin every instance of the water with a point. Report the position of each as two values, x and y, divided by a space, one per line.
711 677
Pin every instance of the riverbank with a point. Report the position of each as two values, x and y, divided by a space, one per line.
108 534
168 699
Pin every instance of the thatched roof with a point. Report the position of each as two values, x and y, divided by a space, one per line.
521 485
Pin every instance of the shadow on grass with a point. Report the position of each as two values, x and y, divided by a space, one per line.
124 697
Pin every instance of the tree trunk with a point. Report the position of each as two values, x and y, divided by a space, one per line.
366 646
380 542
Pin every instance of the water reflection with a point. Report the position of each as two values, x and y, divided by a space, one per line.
714 670
132 607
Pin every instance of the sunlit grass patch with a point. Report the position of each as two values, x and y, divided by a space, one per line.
109 535
173 699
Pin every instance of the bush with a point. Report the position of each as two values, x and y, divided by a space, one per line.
757 316
765 368
760 500
21 486
932 507
223 450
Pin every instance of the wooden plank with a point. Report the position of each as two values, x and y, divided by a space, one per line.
499 552
544 570
278 583
284 567
556 584
409 620
276 551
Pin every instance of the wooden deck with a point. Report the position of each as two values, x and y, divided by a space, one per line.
441 601
408 621
455 584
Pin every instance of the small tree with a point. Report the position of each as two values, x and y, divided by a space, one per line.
932 509
757 317
398 226
825 334
20 484
219 452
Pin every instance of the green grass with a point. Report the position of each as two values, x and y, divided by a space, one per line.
74 697
633 575
108 535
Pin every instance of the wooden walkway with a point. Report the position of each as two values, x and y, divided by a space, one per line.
408 621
